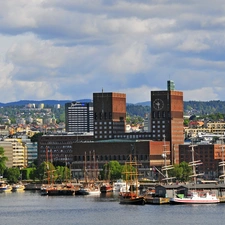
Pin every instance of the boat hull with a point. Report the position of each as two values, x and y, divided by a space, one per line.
157 200
130 198
132 201
193 201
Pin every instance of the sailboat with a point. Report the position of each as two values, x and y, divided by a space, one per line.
56 189
89 186
194 196
131 196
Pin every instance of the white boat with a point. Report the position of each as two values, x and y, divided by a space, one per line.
196 198
118 185
94 191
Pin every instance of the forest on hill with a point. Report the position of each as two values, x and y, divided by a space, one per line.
190 108
134 110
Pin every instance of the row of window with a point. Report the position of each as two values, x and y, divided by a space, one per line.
104 115
161 114
101 123
109 157
105 127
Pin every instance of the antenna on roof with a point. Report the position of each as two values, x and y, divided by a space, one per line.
102 103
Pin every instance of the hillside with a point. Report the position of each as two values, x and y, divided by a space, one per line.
142 108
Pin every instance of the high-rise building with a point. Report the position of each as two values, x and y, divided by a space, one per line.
167 118
79 117
109 114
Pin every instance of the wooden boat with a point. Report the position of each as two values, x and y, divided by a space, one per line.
196 198
56 190
131 196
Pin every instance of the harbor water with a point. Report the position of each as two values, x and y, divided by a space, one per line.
30 208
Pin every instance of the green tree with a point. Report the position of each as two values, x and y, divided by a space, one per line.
186 122
33 174
181 171
12 174
63 173
3 160
46 171
111 171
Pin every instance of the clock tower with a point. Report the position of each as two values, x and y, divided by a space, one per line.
167 118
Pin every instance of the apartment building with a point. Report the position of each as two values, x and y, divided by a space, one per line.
79 117
15 151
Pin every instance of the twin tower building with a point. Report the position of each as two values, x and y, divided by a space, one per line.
97 132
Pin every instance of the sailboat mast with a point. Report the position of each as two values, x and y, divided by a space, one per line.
85 167
47 166
66 167
193 163
165 158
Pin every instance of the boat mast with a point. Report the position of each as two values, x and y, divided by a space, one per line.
194 163
166 167
47 165
66 167
85 167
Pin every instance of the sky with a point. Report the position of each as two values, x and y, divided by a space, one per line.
70 49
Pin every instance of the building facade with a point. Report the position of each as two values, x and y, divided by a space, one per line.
109 114
209 154
79 117
15 151
58 148
95 155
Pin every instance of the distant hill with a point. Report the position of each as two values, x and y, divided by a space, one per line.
141 108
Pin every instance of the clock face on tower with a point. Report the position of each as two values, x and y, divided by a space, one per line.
158 104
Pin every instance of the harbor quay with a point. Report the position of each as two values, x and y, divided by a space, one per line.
218 189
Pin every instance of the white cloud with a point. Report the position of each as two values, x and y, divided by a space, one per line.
52 49
201 94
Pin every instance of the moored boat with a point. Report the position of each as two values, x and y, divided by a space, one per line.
119 185
4 187
131 197
56 190
106 187
82 191
18 187
195 197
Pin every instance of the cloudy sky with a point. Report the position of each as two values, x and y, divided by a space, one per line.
70 49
